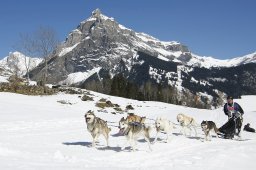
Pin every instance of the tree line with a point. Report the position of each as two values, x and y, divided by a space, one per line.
149 91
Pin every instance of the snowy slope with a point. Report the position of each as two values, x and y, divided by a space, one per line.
37 132
77 77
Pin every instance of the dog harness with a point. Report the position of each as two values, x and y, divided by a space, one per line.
133 124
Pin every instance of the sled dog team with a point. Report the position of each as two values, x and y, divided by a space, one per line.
133 127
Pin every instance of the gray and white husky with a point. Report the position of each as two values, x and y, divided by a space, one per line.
132 131
207 127
96 127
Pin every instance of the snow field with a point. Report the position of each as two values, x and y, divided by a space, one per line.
37 132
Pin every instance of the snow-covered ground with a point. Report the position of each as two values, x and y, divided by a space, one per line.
37 132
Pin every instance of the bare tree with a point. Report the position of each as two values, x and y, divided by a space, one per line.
27 47
46 42
40 43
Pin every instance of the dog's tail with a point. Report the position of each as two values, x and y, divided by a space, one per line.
216 129
196 124
174 125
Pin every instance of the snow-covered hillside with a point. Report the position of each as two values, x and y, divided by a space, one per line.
37 132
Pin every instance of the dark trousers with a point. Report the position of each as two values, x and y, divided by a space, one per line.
229 128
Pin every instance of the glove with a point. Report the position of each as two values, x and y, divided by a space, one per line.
229 115
236 115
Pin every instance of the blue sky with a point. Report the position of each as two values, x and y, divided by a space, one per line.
219 28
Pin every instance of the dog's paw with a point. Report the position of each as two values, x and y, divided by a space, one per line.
202 139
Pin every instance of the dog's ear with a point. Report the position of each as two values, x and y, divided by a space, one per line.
90 111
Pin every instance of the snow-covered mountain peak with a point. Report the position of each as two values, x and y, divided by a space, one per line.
98 15
96 12
101 32
100 26
16 62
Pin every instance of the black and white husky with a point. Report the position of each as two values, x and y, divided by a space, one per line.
207 127
132 131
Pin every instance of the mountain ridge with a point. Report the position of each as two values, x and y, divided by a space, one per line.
97 15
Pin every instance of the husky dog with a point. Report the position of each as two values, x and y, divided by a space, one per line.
162 124
132 131
186 122
135 118
96 126
208 126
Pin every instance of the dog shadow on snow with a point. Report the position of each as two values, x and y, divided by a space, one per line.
113 148
194 137
89 145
